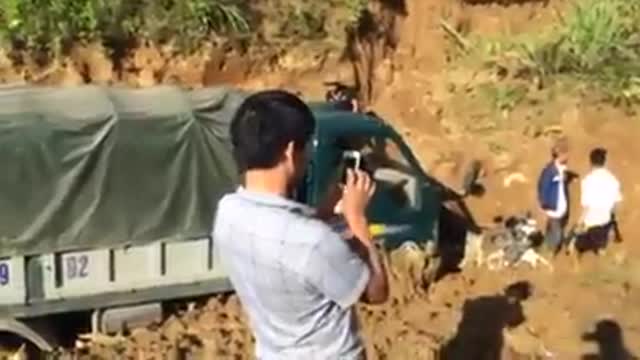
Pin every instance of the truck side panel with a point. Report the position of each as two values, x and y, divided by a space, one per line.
137 266
12 280
82 274
187 260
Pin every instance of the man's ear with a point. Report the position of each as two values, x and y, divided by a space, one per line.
290 150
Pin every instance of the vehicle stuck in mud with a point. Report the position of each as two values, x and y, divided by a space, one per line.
109 197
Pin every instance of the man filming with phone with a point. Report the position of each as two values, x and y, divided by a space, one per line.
330 211
296 277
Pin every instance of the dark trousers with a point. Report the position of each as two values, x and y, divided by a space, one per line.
554 235
594 239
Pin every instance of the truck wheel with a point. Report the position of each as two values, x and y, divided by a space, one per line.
13 347
22 333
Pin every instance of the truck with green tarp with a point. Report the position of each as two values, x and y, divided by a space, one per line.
108 196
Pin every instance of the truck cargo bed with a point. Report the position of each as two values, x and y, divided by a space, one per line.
84 280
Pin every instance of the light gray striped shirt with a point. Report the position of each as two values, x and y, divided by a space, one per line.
297 279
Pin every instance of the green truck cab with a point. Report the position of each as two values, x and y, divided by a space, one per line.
406 204
108 198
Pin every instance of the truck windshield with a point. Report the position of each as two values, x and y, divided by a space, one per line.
396 180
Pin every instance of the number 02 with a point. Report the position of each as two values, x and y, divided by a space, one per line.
77 266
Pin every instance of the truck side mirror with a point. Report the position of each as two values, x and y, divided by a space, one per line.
470 181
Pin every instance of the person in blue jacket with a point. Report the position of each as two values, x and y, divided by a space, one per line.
553 195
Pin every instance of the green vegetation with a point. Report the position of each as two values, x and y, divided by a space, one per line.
52 26
597 43
288 21
503 98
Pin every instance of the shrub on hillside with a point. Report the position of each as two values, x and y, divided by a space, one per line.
293 20
597 42
52 26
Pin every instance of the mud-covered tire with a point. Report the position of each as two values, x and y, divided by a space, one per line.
14 347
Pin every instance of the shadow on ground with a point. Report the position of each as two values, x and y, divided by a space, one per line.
480 331
610 340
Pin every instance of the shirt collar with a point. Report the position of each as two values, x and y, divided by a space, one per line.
274 200
560 167
599 170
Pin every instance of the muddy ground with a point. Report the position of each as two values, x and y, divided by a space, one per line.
438 105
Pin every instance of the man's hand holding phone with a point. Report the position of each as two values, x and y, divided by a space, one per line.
357 192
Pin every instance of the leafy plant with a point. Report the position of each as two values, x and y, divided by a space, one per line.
597 43
594 33
356 8
51 25
305 19
312 19
504 98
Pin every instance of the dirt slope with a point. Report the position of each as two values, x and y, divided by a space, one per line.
436 105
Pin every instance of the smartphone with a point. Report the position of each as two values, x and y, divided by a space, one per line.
351 159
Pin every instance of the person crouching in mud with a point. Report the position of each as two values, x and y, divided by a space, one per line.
553 195
297 278
343 97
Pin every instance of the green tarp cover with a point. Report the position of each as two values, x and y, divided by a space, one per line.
91 167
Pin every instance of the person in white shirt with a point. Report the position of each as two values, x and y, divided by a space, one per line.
600 193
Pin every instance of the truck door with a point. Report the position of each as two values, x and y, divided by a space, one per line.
404 206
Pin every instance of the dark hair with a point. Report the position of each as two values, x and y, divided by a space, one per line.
341 96
265 124
561 146
340 92
598 157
